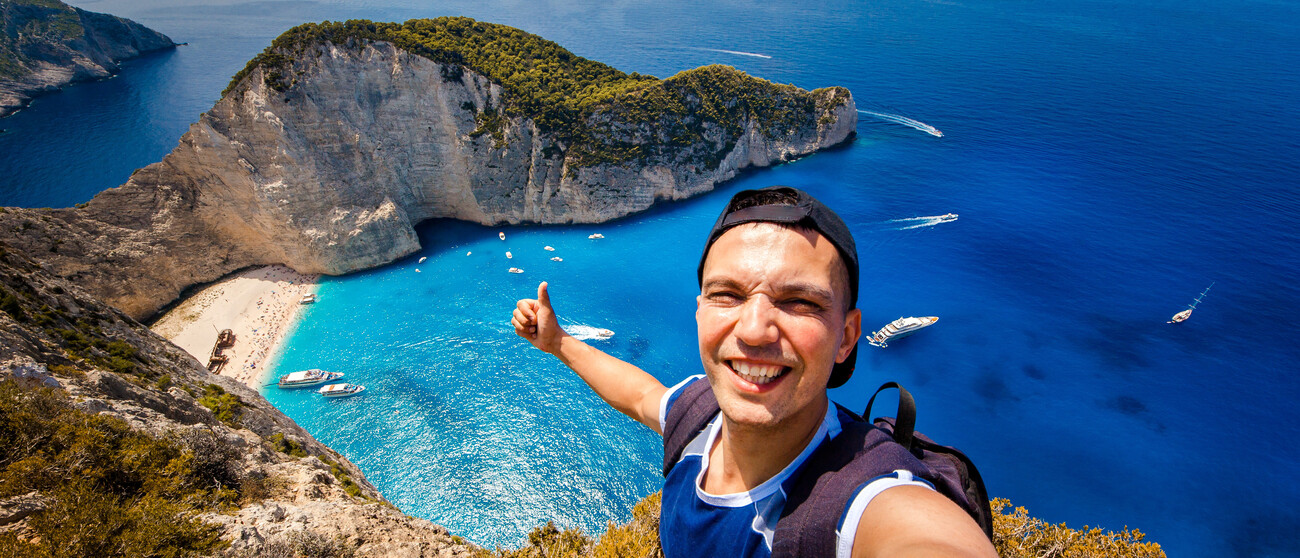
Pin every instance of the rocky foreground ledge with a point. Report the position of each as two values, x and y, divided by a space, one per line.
46 44
327 150
118 443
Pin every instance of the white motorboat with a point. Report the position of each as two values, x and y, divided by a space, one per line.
515 270
307 298
422 258
947 217
548 248
509 255
307 378
595 236
899 329
557 259
502 235
340 390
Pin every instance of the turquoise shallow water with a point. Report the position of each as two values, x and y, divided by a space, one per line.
1107 160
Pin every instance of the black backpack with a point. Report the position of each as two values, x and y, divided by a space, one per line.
862 451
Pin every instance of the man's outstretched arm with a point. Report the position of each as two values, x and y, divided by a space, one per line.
625 387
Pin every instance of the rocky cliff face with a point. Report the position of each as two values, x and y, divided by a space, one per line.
53 334
46 44
327 163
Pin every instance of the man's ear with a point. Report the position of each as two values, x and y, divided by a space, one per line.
852 332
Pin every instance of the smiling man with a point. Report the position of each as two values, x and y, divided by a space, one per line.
777 326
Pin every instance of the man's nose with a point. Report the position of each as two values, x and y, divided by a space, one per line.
756 324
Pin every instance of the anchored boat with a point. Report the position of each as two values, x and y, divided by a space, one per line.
307 378
340 390
899 329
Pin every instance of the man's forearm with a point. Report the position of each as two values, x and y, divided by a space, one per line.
622 385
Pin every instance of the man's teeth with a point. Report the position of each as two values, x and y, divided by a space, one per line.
757 373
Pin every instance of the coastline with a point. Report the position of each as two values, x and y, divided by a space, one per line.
259 305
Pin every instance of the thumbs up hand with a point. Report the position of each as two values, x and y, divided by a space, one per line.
534 320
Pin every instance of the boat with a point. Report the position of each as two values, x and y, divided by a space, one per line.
468 253
1182 316
603 333
934 132
502 235
548 248
422 258
515 270
900 328
340 390
947 217
307 298
557 259
225 338
594 236
509 255
307 378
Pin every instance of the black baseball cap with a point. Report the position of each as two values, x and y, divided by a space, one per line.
805 211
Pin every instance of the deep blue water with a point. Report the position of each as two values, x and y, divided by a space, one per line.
1109 160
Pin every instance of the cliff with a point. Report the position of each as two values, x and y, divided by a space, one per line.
327 150
138 431
46 44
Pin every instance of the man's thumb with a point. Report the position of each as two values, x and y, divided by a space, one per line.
543 298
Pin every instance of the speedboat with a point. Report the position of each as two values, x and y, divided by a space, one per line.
594 236
307 298
502 235
509 255
515 270
947 217
422 258
307 378
548 248
899 329
340 390
557 259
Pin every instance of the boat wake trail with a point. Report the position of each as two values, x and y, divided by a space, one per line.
737 52
587 333
919 222
896 119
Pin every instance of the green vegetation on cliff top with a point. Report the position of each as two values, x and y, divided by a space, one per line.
27 21
561 91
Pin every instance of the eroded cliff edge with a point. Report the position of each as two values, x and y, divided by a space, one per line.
46 44
327 150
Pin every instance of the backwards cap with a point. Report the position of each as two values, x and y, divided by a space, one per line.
805 212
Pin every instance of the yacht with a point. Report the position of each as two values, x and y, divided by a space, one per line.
899 329
340 390
307 378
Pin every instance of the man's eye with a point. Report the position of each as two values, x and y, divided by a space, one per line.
724 297
803 305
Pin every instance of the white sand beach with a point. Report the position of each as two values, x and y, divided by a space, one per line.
259 305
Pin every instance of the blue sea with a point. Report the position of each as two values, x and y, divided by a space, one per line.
1108 160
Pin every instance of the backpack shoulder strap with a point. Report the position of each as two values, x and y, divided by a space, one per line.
829 479
690 413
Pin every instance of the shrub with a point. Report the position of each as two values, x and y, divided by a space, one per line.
112 491
1017 535
227 407
286 445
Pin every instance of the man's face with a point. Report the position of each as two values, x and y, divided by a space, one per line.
772 322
